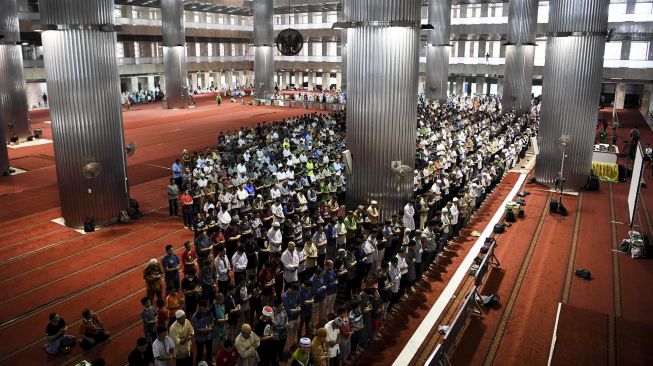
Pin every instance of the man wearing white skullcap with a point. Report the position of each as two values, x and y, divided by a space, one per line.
181 333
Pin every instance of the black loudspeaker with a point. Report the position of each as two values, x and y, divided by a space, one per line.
593 184
553 205
510 216
89 225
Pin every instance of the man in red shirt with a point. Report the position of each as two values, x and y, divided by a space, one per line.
188 258
187 209
227 355
266 281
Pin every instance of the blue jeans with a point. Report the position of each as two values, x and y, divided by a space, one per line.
56 344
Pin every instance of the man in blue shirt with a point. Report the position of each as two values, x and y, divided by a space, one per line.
292 303
319 293
177 173
306 315
171 265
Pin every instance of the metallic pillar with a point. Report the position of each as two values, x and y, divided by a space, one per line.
263 43
520 52
13 95
572 86
382 74
174 53
343 55
79 51
437 50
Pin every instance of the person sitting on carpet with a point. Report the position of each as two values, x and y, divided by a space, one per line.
58 341
91 330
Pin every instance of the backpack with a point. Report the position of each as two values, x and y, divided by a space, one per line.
583 273
123 217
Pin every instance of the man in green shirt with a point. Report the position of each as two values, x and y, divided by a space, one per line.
350 225
303 353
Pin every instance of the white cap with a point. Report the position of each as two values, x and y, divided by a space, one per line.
179 314
445 210
455 199
267 311
374 203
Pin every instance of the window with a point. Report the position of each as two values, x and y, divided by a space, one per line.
496 49
473 11
137 50
332 17
317 49
303 18
220 19
543 12
643 8
120 50
496 10
332 49
233 49
617 9
196 17
198 49
455 11
221 48
471 49
638 51
117 12
612 51
134 14
317 18
278 19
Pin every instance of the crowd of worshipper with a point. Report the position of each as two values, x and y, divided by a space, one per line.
279 272
319 97
141 96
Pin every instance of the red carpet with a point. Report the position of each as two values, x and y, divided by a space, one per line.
46 267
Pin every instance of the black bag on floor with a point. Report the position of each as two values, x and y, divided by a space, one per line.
89 225
583 273
499 228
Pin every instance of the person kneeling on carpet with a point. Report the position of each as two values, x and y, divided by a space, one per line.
91 330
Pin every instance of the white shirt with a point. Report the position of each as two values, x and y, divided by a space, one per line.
290 263
164 348
239 261
402 265
275 238
454 214
409 212
222 268
277 212
332 336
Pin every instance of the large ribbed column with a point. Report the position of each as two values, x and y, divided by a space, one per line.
343 54
437 50
382 74
520 52
174 53
571 86
79 51
263 42
13 96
